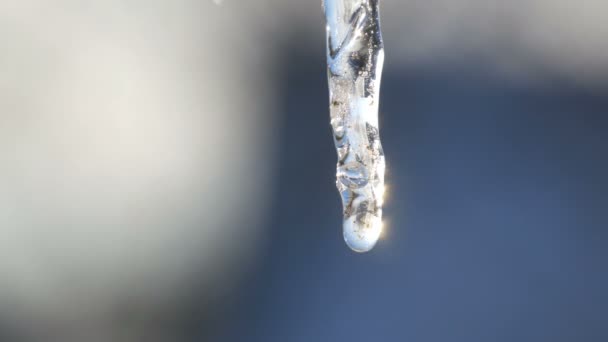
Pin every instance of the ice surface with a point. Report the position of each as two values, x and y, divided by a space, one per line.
355 56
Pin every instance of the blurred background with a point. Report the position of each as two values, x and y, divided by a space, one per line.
167 174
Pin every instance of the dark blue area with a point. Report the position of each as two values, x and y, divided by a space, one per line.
496 220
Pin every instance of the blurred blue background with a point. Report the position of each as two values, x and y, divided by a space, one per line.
496 226
168 174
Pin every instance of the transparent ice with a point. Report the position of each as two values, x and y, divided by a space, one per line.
355 55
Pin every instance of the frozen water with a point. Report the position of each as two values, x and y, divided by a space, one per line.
353 175
355 56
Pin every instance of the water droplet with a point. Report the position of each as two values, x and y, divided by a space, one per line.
354 175
361 232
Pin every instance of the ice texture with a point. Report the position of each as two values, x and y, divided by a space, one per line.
355 55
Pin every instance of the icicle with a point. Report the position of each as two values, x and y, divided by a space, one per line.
355 56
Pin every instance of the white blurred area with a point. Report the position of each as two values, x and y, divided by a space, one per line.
136 137
134 162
